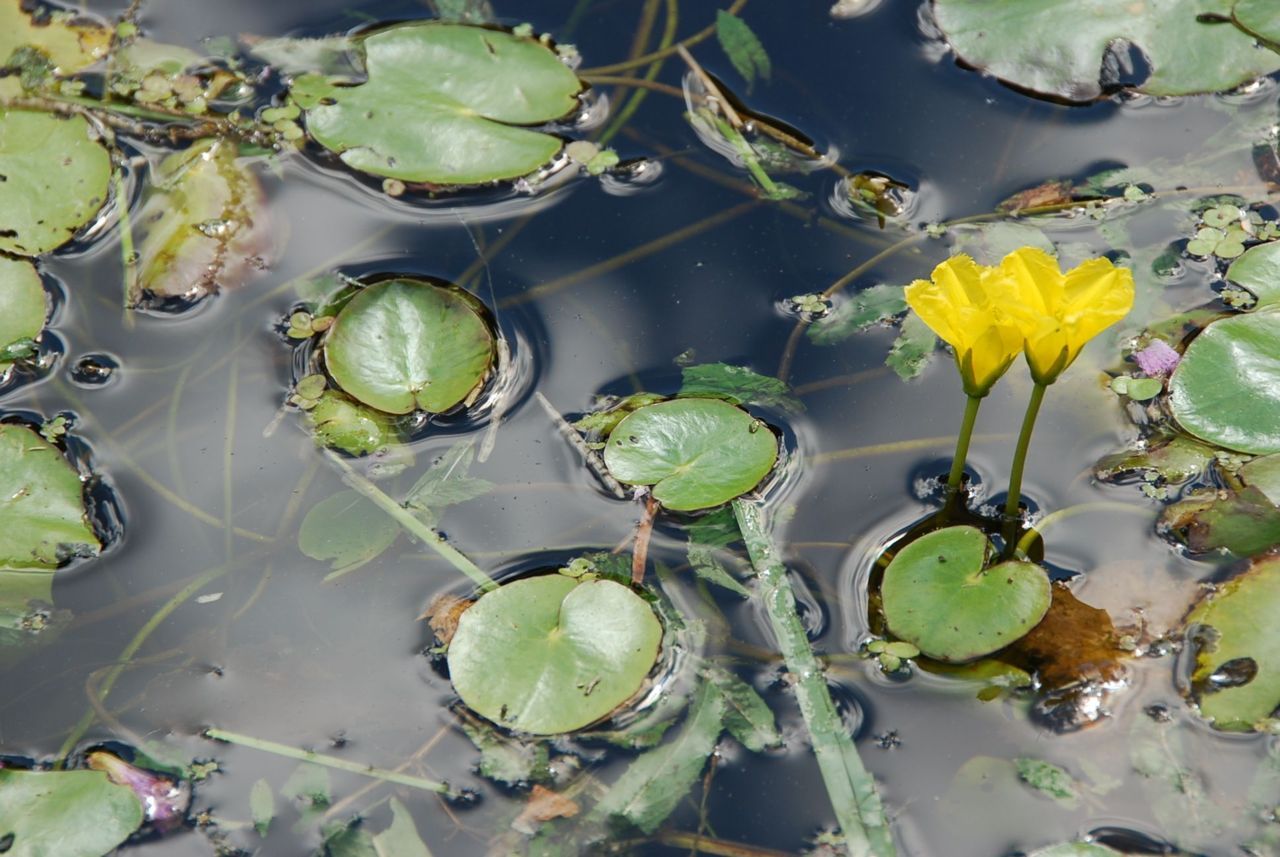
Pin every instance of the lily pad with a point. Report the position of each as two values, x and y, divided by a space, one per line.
1226 390
938 594
55 180
696 453
550 654
1259 17
1058 47
67 813
69 46
442 105
22 307
1236 681
405 344
1258 270
42 515
204 225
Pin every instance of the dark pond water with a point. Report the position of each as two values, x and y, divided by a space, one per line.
603 291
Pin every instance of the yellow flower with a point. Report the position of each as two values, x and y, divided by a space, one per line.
1059 313
967 305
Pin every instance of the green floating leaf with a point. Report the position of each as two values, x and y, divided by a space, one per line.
442 103
1052 781
1075 849
696 453
1226 390
340 423
204 225
42 515
346 530
1258 270
912 349
1236 681
549 654
743 47
1176 459
1058 47
1263 473
22 306
938 594
70 47
56 179
262 806
737 384
404 344
401 839
1259 17
869 307
1244 522
64 813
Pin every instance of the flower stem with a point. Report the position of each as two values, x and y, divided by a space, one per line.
962 444
1020 460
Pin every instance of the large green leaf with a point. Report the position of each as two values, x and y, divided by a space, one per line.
55 180
42 515
696 453
938 594
65 813
404 344
1237 674
1258 270
1057 47
1226 390
204 225
442 103
22 305
549 654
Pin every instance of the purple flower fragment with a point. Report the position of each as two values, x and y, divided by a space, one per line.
1157 360
164 800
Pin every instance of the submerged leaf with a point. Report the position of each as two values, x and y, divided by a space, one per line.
443 104
204 225
550 654
696 453
26 607
743 47
401 839
912 349
346 530
747 717
446 483
43 522
55 179
876 305
737 384
67 813
1052 781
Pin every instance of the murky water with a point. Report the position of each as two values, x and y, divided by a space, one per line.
180 434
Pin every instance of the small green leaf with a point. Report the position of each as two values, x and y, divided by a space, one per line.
310 783
696 453
401 839
64 813
737 384
1144 389
402 345
43 522
944 574
1052 781
869 307
340 423
346 530
548 654
747 717
743 47
912 349
262 806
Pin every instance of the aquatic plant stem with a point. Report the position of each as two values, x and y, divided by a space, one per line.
1055 518
327 761
850 786
636 62
962 444
128 255
415 527
1020 460
638 97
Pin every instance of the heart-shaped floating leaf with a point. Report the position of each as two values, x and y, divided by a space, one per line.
549 654
55 180
696 453
405 344
1258 270
42 516
68 813
442 103
1226 390
22 306
1237 674
1058 47
938 594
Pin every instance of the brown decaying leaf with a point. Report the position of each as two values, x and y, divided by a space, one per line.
544 805
442 615
1047 193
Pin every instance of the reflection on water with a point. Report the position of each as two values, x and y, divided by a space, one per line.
175 411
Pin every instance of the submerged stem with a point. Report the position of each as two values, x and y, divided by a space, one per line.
850 786
962 443
1020 460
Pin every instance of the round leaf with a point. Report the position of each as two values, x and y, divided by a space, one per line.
696 453
67 813
406 344
1226 390
55 180
1237 674
1258 270
548 654
42 515
938 595
1057 47
346 529
22 304
441 102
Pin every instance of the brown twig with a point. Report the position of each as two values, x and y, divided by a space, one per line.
644 529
